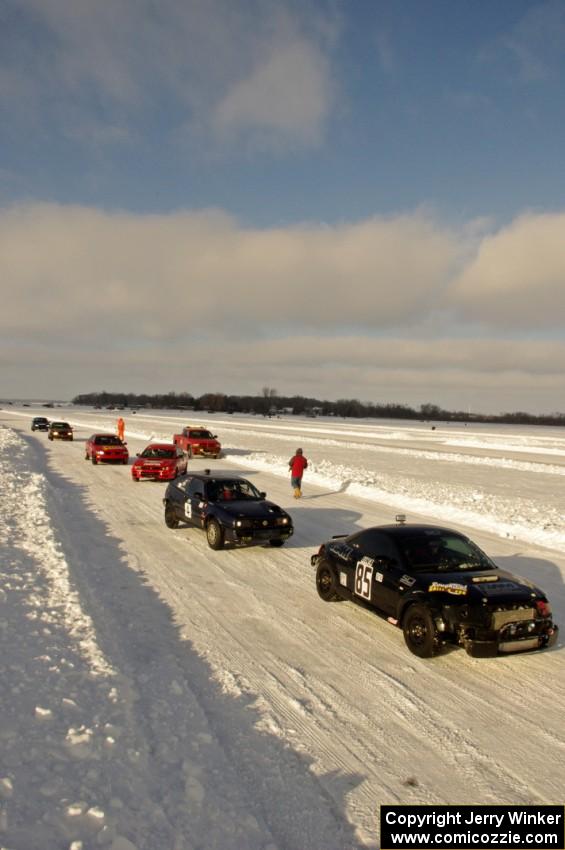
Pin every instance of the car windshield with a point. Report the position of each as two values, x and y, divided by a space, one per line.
442 551
158 452
60 425
40 419
200 435
227 490
108 440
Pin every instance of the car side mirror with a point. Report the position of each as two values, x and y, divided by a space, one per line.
263 494
138 454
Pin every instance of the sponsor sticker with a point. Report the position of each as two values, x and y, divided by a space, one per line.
407 580
449 587
366 561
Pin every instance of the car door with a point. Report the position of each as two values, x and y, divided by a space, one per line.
377 571
194 505
180 461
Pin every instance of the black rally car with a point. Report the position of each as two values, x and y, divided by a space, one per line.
39 423
229 509
438 586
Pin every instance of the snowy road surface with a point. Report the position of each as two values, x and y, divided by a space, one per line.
157 695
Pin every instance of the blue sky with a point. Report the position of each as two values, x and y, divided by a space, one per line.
384 176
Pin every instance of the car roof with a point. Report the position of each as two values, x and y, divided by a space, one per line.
410 530
212 476
59 422
103 434
160 446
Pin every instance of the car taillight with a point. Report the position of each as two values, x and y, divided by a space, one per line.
544 608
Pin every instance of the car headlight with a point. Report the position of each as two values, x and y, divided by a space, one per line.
243 523
282 520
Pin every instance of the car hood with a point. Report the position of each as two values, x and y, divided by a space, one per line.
256 510
484 585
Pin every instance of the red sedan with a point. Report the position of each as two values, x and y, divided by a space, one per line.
107 448
159 461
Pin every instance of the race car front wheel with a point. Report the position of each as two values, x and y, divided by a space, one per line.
171 520
326 584
215 535
420 633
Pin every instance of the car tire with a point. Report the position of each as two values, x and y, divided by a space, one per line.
326 583
276 542
215 535
94 459
171 520
420 633
125 461
86 456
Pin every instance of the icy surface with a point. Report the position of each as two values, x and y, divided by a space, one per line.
157 694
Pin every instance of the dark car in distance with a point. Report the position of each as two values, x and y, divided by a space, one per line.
59 431
438 587
39 423
228 508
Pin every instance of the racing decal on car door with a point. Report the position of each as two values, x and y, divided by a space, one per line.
364 577
188 509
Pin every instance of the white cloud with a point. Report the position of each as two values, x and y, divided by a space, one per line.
94 300
130 58
288 95
203 272
516 279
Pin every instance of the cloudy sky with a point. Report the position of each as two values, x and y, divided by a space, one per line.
334 198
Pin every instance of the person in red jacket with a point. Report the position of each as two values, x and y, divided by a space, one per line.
121 428
297 464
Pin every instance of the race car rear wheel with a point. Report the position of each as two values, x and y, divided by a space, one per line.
171 520
94 459
420 633
326 583
215 535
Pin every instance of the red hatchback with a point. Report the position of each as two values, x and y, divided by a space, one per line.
159 461
107 448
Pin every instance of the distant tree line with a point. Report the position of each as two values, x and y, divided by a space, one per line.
270 403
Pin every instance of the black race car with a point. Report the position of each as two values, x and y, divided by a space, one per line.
438 586
39 423
229 509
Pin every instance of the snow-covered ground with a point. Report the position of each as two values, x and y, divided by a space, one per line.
157 695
